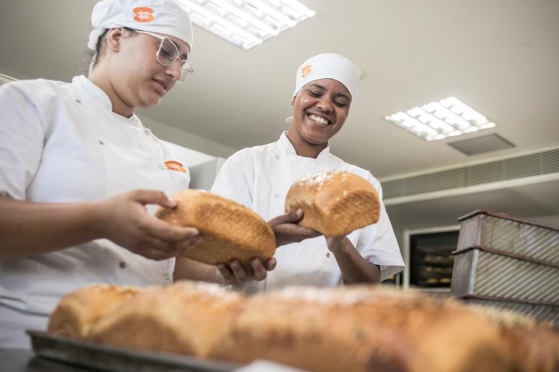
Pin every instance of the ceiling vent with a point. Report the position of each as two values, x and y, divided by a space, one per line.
479 145
6 79
530 168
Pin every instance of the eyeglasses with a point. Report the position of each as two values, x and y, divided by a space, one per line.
168 52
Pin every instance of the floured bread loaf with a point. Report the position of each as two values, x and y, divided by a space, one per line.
184 318
362 329
79 310
230 230
334 203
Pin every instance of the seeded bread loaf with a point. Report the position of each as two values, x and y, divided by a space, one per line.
335 202
230 230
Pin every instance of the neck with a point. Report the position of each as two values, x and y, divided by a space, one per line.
118 105
305 149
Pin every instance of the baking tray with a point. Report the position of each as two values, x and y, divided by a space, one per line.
541 312
116 359
516 237
477 271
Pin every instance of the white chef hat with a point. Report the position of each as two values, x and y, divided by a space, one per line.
328 66
160 16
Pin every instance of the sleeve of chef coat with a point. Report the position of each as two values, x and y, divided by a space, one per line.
233 180
21 139
378 244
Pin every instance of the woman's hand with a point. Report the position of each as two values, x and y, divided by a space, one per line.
287 230
235 273
126 222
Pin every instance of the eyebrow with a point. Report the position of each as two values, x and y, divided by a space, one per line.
323 88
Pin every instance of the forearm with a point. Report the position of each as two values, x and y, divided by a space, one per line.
355 269
34 228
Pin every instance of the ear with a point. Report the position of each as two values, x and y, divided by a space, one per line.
293 100
114 35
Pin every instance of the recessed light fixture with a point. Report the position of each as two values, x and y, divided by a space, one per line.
246 23
437 120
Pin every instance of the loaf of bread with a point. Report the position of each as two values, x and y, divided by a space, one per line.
184 318
352 328
79 310
335 202
362 329
229 229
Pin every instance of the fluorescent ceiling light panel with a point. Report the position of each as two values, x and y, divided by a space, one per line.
437 120
246 23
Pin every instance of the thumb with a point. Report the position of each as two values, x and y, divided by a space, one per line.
293 216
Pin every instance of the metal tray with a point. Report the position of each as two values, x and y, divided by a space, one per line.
516 237
114 359
488 273
544 313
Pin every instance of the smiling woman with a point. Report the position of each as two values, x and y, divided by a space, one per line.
260 178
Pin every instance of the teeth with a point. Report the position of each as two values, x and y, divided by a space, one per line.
318 119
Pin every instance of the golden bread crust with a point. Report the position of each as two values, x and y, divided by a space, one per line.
230 230
335 202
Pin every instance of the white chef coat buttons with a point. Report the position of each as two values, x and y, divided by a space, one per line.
101 142
147 131
122 265
277 156
78 101
276 195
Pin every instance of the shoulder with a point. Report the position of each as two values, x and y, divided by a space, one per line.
254 152
33 89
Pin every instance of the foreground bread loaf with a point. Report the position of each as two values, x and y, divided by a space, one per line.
230 230
354 328
78 311
334 203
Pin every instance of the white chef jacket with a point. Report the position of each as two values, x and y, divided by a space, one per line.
259 178
61 143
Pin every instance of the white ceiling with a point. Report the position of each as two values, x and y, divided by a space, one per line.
499 56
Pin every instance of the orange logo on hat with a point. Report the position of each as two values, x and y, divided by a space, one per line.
306 70
143 14
175 166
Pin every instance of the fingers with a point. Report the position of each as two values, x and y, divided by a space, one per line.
162 230
152 197
234 272
292 217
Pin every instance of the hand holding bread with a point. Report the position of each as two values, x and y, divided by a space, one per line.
229 229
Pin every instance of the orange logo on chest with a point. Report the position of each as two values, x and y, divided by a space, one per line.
175 166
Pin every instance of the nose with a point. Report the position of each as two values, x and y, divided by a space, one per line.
174 69
324 105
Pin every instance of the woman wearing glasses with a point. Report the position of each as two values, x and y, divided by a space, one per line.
78 169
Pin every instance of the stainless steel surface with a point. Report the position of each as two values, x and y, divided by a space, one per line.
114 359
546 313
490 274
508 234
505 262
